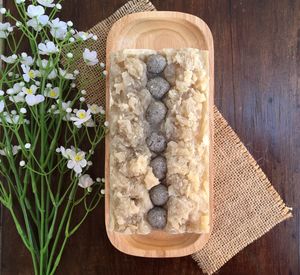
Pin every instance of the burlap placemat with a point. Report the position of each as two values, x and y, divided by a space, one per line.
246 204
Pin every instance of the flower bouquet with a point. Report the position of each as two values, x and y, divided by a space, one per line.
48 134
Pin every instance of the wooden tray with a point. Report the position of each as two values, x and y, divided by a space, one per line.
158 30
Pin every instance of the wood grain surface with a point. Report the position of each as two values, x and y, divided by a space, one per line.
257 72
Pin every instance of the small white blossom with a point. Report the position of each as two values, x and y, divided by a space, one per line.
10 74
82 99
18 24
20 1
95 37
57 150
13 112
90 123
95 109
59 29
70 55
103 180
58 6
2 106
47 48
104 73
70 23
15 89
102 191
81 117
5 29
28 73
49 85
102 65
52 92
106 123
83 92
65 74
32 100
26 60
1 93
98 179
85 181
22 163
73 85
76 159
3 10
13 119
14 149
69 110
83 36
90 57
27 145
46 3
38 17
17 98
23 110
30 91
9 59
71 39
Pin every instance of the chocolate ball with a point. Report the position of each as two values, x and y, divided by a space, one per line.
159 194
156 142
159 167
158 87
156 63
157 217
156 112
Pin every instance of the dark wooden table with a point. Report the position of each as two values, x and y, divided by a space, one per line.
257 77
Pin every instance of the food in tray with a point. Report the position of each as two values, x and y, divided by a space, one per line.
159 141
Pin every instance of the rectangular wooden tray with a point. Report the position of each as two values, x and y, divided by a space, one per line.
158 30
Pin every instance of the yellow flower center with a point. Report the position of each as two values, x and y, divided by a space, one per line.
31 74
52 93
29 91
78 157
82 115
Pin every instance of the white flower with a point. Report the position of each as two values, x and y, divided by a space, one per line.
46 3
95 37
52 92
1 93
85 181
76 159
82 99
38 17
22 163
34 99
26 60
47 48
20 1
18 24
13 119
106 123
65 74
30 91
58 6
102 65
29 74
5 29
81 117
2 106
27 145
17 98
15 89
35 11
14 150
70 55
104 73
90 57
3 10
102 191
70 23
23 110
83 36
95 109
9 59
59 28
71 39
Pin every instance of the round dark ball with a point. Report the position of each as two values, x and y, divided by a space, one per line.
157 217
156 142
156 63
159 167
159 194
158 87
156 112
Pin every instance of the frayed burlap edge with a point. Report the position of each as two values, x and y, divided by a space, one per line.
270 209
